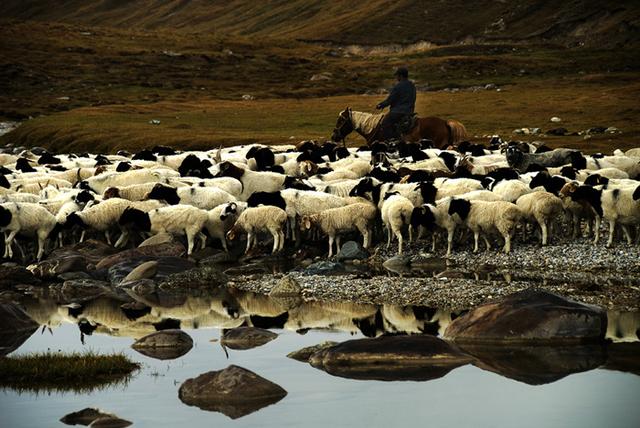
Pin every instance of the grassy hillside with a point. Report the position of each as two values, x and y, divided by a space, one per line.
369 22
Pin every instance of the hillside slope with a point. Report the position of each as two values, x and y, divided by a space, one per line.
572 22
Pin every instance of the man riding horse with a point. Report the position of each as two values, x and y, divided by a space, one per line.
402 102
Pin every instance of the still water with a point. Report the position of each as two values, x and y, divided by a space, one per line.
466 396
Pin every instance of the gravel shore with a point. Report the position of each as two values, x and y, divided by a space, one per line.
609 277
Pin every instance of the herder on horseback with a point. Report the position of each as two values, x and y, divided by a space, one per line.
402 103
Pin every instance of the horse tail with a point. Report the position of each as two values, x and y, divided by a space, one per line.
457 132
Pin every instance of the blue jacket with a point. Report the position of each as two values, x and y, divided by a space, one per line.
402 98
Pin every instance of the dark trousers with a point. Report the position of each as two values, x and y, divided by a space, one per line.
389 122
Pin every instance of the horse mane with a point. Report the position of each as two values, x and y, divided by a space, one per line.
364 123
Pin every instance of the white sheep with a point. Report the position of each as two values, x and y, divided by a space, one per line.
485 216
542 207
510 190
257 219
307 202
252 181
117 179
205 198
221 219
358 216
134 192
25 218
396 213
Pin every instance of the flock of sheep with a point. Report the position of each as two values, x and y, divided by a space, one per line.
314 190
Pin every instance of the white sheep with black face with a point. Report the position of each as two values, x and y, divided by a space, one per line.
332 222
542 207
221 219
261 219
205 198
396 214
28 219
253 181
485 216
100 183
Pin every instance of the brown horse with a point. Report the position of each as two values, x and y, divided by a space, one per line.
443 133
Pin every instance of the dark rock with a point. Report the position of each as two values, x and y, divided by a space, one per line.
400 265
52 267
234 391
14 275
558 131
110 422
81 289
351 250
529 316
286 287
200 277
160 238
324 268
83 417
417 357
164 267
91 250
145 270
305 353
536 365
171 249
15 327
242 338
68 276
164 345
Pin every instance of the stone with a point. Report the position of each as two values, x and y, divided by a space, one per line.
612 130
415 357
200 277
14 275
324 267
536 364
234 391
165 267
145 270
67 276
81 289
351 250
84 416
172 249
157 239
286 286
530 316
52 267
164 344
110 422
305 353
16 326
555 119
321 76
242 338
558 131
91 250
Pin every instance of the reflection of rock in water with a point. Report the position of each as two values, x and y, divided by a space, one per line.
623 357
15 328
242 338
234 391
537 365
164 345
417 357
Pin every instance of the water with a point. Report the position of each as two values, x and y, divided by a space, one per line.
466 396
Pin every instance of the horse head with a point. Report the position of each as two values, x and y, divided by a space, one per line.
344 126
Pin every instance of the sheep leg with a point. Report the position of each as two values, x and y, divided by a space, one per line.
107 235
276 241
627 234
249 237
8 241
612 229
476 237
450 234
331 238
507 243
41 244
6 247
190 239
399 236
365 238
388 235
281 246
82 235
338 240
486 242
543 227
223 241
122 240
596 231
203 240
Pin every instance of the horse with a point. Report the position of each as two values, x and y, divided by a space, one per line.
443 133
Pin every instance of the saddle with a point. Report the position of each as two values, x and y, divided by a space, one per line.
407 123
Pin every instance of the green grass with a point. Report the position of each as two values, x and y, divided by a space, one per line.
78 372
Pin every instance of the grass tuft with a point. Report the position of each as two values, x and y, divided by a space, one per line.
57 372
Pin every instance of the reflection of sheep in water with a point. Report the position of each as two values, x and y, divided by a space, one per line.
623 326
334 315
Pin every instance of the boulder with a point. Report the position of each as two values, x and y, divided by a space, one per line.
416 357
324 267
305 353
536 365
52 267
171 249
287 286
11 275
81 289
164 344
84 416
200 277
241 338
110 422
351 250
157 239
15 327
234 391
145 270
91 250
530 316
